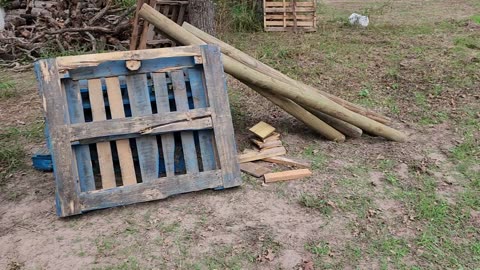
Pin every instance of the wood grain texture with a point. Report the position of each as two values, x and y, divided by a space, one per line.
82 152
55 106
222 119
125 156
163 106
147 147
181 100
104 151
254 155
287 175
254 169
135 125
205 137
262 129
289 161
155 189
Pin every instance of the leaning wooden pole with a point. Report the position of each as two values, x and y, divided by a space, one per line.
299 112
244 73
246 59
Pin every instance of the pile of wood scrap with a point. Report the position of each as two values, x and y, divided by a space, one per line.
326 114
268 147
34 29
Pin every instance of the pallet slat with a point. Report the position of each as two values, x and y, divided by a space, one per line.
104 151
163 106
146 146
123 146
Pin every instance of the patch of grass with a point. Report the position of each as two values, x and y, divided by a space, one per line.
226 257
317 158
7 89
125 3
476 18
467 41
12 157
392 250
130 264
105 245
433 118
320 248
312 201
420 99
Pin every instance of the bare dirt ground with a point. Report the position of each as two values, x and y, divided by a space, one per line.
371 204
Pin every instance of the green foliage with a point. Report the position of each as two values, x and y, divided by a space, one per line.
470 42
364 92
125 3
317 158
5 3
238 16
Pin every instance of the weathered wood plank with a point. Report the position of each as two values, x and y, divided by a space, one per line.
135 125
82 152
262 129
222 119
181 100
266 145
254 169
289 161
121 68
104 150
88 60
205 137
254 155
147 146
125 156
286 175
55 107
163 106
155 189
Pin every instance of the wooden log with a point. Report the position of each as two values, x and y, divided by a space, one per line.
254 169
246 59
302 114
289 161
254 155
244 73
342 126
289 106
286 175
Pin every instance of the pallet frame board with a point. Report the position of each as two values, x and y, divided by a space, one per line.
290 15
149 144
145 36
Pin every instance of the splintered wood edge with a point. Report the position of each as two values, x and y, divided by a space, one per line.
286 175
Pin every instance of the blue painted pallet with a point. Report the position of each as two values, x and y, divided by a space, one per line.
120 135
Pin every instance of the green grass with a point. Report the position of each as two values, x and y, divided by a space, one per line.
476 18
320 248
318 159
314 202
7 88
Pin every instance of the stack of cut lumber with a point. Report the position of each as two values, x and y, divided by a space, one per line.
326 114
268 147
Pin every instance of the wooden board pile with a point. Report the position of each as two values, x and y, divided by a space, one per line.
326 114
34 29
269 148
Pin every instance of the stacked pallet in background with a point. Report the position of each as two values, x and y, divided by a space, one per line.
289 15
144 35
136 126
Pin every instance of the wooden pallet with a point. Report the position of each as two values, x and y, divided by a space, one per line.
146 36
290 15
149 112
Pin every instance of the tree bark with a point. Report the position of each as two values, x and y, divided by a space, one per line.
201 13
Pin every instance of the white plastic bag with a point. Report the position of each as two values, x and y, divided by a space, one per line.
357 19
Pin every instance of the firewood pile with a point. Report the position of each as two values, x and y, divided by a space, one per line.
35 29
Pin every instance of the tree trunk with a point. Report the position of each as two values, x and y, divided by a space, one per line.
201 13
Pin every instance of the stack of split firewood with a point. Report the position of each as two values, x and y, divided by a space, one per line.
328 115
36 29
268 148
